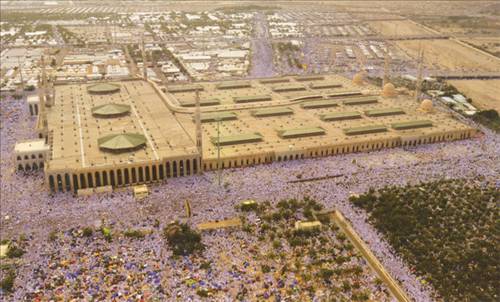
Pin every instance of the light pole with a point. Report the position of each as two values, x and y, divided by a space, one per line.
218 119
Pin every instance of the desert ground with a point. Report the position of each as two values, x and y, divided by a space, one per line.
451 55
484 93
399 28
489 44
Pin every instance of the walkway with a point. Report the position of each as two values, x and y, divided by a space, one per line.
262 52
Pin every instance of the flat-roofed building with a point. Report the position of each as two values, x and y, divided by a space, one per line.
131 132
115 134
31 155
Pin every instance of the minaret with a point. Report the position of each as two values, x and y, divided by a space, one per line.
418 84
20 68
143 51
42 111
199 142
48 100
386 69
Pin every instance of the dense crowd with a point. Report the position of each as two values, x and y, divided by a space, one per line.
262 54
28 210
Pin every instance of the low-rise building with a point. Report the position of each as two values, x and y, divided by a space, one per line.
33 103
31 155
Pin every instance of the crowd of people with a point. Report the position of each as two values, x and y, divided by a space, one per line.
29 210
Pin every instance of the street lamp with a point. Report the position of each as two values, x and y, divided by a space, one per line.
218 120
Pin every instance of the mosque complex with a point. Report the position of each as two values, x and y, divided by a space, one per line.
104 135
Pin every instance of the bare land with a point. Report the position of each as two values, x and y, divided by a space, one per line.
485 94
449 54
464 24
399 28
488 44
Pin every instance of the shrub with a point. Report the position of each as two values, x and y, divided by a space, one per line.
276 244
135 234
206 265
326 274
106 232
248 206
87 231
182 239
202 292
7 283
14 251
265 268
53 236
156 223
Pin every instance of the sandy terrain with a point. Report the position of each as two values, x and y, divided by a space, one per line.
491 44
398 28
484 93
449 54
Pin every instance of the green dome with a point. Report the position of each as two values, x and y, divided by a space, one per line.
121 142
111 109
103 88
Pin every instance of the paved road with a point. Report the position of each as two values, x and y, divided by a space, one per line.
262 51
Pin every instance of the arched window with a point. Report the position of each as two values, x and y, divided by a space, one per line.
83 184
134 175
119 176
127 177
168 170
67 180
97 179
51 183
141 174
148 175
181 168
112 178
105 178
188 167
90 181
161 171
59 183
174 167
195 166
18 157
155 174
75 183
